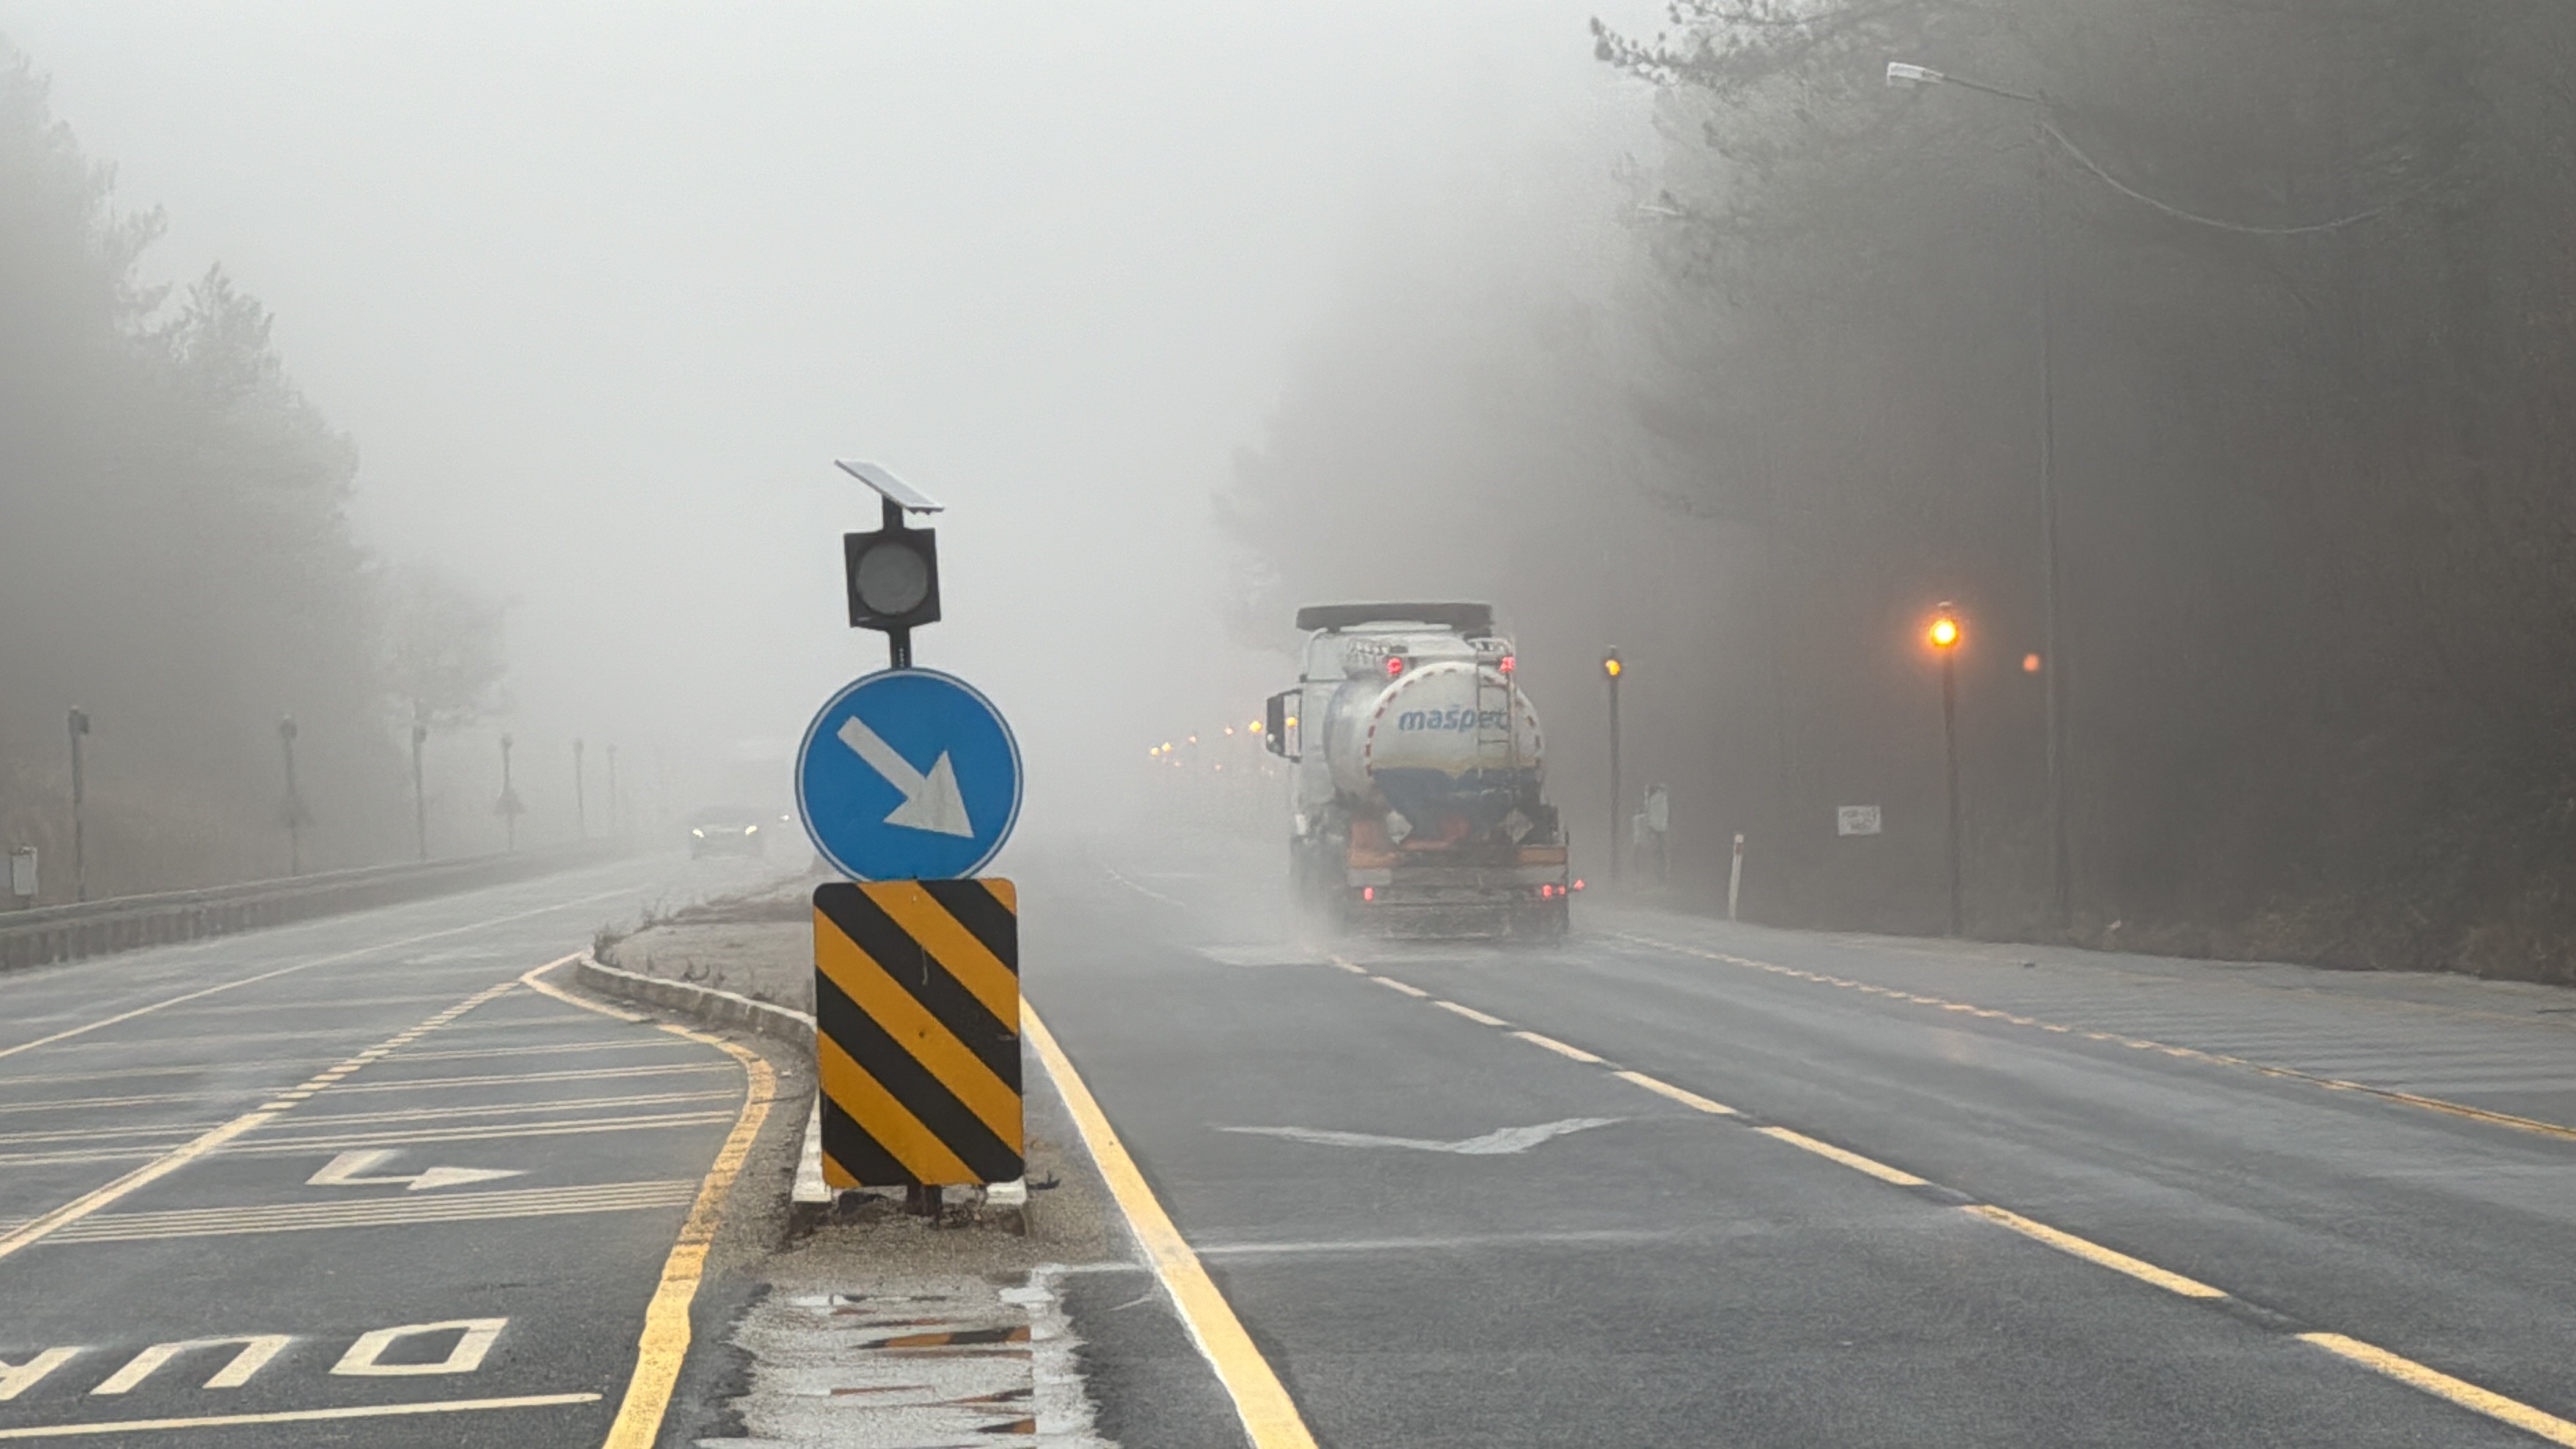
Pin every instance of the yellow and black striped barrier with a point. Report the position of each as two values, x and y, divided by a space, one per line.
917 1031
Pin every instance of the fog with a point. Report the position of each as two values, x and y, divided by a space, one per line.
2212 361
598 292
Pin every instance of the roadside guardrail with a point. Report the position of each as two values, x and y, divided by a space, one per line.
49 934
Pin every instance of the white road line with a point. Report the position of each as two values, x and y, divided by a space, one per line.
320 1121
296 1416
548 1049
508 1079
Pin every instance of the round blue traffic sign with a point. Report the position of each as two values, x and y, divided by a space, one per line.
909 775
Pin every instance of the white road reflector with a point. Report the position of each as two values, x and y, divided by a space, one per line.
344 1171
474 1339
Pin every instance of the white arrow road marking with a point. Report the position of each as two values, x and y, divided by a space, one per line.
344 1170
930 802
1507 1140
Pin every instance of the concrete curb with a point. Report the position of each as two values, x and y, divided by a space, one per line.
725 1008
704 1003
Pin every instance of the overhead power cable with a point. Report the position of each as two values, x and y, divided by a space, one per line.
2049 129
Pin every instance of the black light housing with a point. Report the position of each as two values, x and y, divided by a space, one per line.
892 573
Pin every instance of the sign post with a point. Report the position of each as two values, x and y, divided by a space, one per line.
908 781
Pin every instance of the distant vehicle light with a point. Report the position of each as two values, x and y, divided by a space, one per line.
1255 727
1194 739
699 834
1506 665
1578 884
751 830
1229 729
1394 665
1368 893
1292 721
2030 664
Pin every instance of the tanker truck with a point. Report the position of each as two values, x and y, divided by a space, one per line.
1416 807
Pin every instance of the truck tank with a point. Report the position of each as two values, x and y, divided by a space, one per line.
1451 745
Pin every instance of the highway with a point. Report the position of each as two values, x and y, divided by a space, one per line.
1680 1182
354 1181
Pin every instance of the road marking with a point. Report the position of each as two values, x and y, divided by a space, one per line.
524 1202
546 1049
300 1146
1496 1143
1692 1100
1269 1416
474 1338
2442 1386
1391 982
296 1416
318 1120
334 958
256 1350
2092 1252
2404 1370
1623 1237
1852 1160
343 1170
2337 1084
1558 1047
151 1172
664 1343
16 1379
1471 1013
514 1079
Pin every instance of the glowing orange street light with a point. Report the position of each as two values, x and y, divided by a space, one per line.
1944 637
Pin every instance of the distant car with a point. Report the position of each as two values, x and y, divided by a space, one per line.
731 830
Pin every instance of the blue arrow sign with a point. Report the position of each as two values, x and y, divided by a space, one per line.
909 775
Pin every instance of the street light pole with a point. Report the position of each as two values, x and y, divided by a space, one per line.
2052 667
580 809
1611 669
419 797
1944 638
509 801
80 863
294 802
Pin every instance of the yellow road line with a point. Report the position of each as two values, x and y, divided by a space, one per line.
664 1344
1558 1047
67 1034
296 1416
1692 1100
1270 1417
2095 1253
2442 1386
1852 1160
1471 1013
46 1225
2336 1084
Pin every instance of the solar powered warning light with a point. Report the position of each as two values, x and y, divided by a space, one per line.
893 572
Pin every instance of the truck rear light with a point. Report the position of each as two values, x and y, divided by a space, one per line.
1506 665
1547 892
1578 885
1368 893
1394 665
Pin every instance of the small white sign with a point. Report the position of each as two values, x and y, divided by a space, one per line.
1855 820
22 872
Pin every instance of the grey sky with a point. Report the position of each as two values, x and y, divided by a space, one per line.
600 289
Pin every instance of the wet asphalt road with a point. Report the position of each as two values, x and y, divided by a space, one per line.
1653 1274
294 1284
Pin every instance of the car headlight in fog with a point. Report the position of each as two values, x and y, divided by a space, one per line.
751 830
699 834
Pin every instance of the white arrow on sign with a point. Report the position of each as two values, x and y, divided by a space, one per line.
930 802
344 1170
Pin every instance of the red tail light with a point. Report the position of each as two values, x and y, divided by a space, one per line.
1368 893
1394 665
1506 665
1578 885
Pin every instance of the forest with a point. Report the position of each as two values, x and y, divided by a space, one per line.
178 572
2276 298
